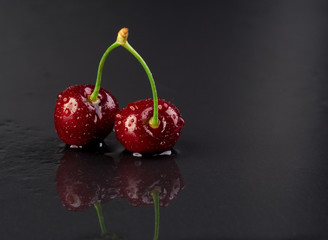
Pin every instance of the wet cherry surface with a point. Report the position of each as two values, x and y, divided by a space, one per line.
250 80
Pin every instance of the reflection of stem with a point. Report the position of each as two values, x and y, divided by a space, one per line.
155 195
101 218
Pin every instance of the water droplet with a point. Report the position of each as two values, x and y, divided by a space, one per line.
65 99
160 107
118 115
59 96
75 146
132 108
166 153
119 122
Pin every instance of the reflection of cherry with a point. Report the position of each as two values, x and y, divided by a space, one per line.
85 178
141 176
149 181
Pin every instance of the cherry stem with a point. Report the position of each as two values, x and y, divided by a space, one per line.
155 195
122 40
101 218
94 96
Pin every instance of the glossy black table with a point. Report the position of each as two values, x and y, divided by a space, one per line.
250 78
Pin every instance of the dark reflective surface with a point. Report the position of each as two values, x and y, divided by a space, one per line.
250 79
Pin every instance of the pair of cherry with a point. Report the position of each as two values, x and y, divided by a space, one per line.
86 113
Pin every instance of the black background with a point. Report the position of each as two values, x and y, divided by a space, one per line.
250 78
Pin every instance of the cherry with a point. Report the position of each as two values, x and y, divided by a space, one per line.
85 113
79 121
149 125
148 182
135 133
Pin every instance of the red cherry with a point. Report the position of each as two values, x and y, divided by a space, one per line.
84 178
141 176
79 121
136 135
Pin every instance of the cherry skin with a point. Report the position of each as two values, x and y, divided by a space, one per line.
85 178
136 135
140 176
79 121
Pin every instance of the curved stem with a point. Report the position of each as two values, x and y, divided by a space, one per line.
101 218
154 120
155 195
94 96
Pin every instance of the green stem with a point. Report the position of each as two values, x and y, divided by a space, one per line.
94 96
101 218
155 195
154 121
